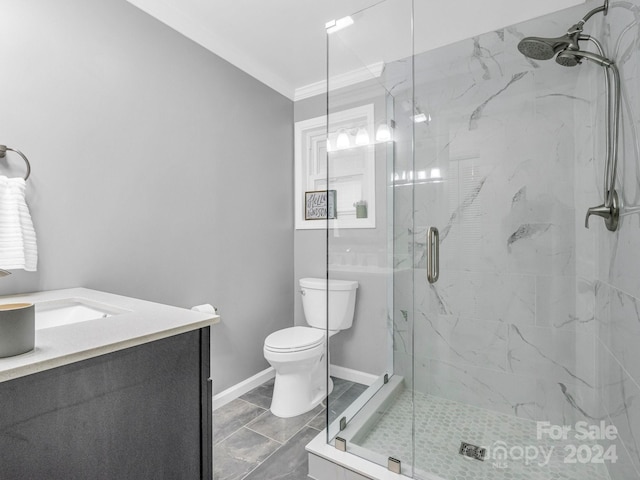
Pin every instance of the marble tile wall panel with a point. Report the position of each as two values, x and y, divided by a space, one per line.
496 297
620 396
541 249
480 296
504 328
564 403
534 315
617 262
462 341
620 332
586 328
556 301
546 353
556 402
403 365
402 324
482 246
623 468
481 387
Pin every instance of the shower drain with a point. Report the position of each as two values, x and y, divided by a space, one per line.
472 451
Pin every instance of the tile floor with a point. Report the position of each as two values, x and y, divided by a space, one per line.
443 424
252 444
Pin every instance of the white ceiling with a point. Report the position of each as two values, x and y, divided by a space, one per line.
282 43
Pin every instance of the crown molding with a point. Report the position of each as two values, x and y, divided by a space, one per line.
339 81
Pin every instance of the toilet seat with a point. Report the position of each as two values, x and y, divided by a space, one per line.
294 339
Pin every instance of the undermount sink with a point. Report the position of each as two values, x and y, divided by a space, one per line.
66 311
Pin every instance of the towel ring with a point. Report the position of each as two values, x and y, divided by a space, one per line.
3 153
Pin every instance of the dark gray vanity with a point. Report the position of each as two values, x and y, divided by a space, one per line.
138 412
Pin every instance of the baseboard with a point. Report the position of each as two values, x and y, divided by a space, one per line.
352 375
259 378
243 387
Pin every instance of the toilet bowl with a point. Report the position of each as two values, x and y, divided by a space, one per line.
298 354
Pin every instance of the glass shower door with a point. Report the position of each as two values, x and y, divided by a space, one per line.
483 159
369 161
503 340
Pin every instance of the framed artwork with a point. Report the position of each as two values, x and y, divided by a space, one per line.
320 205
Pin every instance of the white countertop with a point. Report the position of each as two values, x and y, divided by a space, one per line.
144 322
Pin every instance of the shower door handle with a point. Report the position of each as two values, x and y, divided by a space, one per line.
433 255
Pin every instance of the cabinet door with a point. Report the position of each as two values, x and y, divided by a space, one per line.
139 413
206 405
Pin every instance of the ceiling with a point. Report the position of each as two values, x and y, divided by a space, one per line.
282 43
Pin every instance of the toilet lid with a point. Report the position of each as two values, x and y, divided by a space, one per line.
294 338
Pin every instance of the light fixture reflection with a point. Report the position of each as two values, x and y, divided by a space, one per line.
343 140
420 177
362 137
383 133
335 25
422 118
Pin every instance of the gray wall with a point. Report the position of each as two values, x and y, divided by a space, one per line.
363 347
310 246
160 171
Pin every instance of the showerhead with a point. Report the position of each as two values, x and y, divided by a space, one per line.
540 48
567 59
566 49
571 58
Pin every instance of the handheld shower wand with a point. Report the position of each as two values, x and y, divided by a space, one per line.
569 53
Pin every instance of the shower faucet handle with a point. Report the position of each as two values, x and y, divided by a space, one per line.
610 214
600 210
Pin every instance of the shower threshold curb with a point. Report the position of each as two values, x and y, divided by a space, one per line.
328 463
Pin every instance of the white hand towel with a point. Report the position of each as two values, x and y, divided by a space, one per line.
18 248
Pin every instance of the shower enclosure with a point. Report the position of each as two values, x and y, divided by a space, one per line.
493 336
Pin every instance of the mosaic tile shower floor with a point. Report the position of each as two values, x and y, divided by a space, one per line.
443 425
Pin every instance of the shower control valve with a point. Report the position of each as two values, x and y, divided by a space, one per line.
610 214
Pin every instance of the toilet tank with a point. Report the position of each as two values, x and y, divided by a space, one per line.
342 302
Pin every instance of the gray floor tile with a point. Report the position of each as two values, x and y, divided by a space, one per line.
281 429
232 416
254 444
319 422
260 396
240 453
339 387
339 405
290 462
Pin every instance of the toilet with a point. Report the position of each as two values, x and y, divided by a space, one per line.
298 353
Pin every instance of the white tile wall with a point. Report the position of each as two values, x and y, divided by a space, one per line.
534 315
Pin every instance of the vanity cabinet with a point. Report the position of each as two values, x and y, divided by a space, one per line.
139 413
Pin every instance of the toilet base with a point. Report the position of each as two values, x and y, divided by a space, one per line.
298 393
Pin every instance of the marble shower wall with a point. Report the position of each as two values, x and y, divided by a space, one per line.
617 261
533 315
506 327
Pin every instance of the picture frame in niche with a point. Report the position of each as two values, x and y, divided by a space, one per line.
320 203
